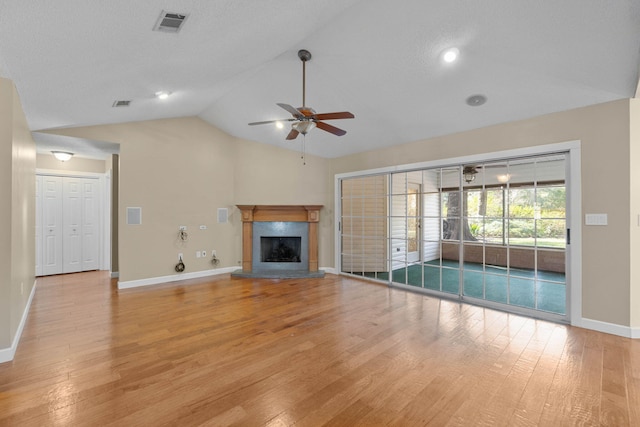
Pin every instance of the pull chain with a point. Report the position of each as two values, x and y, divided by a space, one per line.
304 150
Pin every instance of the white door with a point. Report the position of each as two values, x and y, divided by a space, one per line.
72 212
51 217
90 224
38 225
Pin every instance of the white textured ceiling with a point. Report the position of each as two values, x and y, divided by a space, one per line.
234 60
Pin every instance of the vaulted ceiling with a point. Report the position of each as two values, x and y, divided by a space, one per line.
232 61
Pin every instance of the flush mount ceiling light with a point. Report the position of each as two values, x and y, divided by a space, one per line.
450 55
476 100
63 156
162 95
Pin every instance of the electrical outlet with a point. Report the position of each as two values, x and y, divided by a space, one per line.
180 257
203 227
182 228
198 254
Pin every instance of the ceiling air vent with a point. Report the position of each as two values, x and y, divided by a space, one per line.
170 22
121 103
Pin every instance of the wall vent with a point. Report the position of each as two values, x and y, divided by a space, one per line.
121 103
170 22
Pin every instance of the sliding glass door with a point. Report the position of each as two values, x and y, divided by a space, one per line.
492 233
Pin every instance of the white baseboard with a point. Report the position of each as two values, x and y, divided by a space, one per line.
7 354
174 278
115 274
184 276
609 328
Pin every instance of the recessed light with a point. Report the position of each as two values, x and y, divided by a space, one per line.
476 100
163 95
450 55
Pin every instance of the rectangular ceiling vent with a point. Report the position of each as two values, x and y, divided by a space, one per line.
121 103
170 22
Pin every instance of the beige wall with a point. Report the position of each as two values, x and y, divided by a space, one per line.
75 164
604 132
180 171
6 162
17 213
634 223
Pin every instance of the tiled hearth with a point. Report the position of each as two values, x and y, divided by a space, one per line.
279 241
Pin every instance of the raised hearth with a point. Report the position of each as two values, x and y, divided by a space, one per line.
279 241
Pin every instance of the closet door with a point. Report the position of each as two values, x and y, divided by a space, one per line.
51 222
90 224
72 211
38 225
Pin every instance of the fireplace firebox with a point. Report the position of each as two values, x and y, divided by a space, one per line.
280 249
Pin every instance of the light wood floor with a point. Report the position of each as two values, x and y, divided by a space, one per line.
332 351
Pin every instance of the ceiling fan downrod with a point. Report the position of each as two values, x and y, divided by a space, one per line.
304 56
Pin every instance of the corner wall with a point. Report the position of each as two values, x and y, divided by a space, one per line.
17 217
180 171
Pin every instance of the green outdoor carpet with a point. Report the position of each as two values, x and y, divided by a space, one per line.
521 287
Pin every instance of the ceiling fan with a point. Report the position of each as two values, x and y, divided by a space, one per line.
305 118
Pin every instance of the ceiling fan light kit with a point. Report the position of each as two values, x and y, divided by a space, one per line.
305 118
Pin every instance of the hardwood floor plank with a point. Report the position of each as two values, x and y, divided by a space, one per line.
224 351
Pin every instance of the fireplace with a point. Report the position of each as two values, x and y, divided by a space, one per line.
279 241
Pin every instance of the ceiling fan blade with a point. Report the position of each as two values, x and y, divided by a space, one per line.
294 111
307 112
271 121
334 116
293 134
331 129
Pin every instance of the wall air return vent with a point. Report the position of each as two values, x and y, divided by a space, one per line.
121 103
170 22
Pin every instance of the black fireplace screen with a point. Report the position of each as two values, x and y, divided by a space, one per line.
280 249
